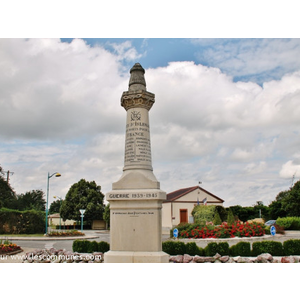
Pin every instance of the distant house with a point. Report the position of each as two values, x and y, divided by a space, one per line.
178 206
54 220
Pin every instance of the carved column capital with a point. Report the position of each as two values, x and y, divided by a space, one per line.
141 98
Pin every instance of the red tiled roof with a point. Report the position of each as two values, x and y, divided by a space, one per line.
179 193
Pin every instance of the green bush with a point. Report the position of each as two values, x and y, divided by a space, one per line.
223 248
272 247
211 249
174 247
92 247
240 249
192 249
230 217
217 219
21 222
80 246
204 213
289 223
103 247
291 247
84 246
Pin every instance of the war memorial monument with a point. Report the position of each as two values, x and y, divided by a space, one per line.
136 198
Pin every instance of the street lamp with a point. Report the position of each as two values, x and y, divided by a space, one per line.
48 177
82 211
60 199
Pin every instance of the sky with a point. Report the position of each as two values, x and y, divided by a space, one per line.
226 113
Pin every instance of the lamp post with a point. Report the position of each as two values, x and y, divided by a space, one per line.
48 177
60 199
82 211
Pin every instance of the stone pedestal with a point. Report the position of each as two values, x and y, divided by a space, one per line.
136 198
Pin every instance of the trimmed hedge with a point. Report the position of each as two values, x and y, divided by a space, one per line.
174 248
84 246
240 249
192 249
21 222
272 247
211 249
291 247
289 223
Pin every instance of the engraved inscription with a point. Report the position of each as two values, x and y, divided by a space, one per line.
137 146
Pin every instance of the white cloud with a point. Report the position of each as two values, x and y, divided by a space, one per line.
261 58
60 111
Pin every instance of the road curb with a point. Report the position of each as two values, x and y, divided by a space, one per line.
48 238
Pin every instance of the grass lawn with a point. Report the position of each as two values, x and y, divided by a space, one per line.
2 236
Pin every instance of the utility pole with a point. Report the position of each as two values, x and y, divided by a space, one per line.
293 178
7 177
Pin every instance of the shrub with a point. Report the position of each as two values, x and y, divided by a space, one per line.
217 219
230 217
92 247
291 247
271 247
289 223
21 222
204 213
192 249
80 246
240 249
84 246
103 247
211 249
223 248
173 247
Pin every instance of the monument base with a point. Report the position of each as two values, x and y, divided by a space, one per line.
135 257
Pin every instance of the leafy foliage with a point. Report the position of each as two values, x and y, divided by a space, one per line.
240 249
84 246
291 247
19 222
83 195
55 207
7 195
271 247
204 213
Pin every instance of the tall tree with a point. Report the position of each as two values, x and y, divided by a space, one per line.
291 202
7 194
31 200
55 207
276 207
83 195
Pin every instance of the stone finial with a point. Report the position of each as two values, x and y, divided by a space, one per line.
137 79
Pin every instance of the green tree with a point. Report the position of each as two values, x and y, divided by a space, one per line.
31 200
55 207
83 195
217 219
276 209
7 195
230 218
291 202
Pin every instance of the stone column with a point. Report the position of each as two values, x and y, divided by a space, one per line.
136 198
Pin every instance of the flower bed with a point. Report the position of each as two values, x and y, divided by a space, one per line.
8 248
224 230
66 233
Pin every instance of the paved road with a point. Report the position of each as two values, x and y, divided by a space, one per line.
29 245
64 244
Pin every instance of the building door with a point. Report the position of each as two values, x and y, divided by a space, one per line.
183 216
